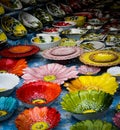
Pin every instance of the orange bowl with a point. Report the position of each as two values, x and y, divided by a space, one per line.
39 93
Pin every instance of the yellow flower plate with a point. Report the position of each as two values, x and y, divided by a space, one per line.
100 58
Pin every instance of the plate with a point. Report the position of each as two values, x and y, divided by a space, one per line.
100 58
67 55
13 54
92 45
63 51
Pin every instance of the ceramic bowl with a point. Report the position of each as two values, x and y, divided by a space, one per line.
8 83
93 124
114 71
90 104
12 5
43 118
43 16
74 33
39 93
64 24
88 70
46 41
30 21
8 105
3 38
12 27
55 10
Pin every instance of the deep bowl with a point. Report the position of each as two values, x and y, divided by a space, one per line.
8 82
8 105
43 118
87 104
46 41
39 93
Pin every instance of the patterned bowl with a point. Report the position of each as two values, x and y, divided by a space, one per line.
43 118
87 104
8 82
39 93
8 105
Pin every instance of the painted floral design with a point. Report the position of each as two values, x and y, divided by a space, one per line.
51 72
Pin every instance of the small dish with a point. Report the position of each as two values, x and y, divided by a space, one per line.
92 45
43 118
64 24
12 27
19 51
114 71
14 66
46 41
94 124
8 105
100 58
52 30
48 55
55 10
8 82
30 21
87 104
95 21
88 70
56 73
39 93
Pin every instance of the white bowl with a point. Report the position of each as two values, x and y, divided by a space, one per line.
48 43
8 82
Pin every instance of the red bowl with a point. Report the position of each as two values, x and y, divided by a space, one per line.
39 93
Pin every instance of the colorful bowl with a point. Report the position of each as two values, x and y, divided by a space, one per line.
87 104
8 105
8 82
39 93
46 41
93 124
43 118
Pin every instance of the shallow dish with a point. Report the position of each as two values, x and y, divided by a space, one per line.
12 27
100 58
52 30
30 21
8 105
87 104
93 124
8 83
46 41
92 45
88 70
20 51
64 24
14 66
48 55
43 118
55 10
39 93
98 82
53 72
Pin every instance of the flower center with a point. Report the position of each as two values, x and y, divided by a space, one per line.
3 71
40 126
39 101
49 78
3 113
89 111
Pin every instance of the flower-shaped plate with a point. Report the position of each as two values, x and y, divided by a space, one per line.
39 93
8 105
19 51
14 66
100 58
87 104
62 53
35 118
